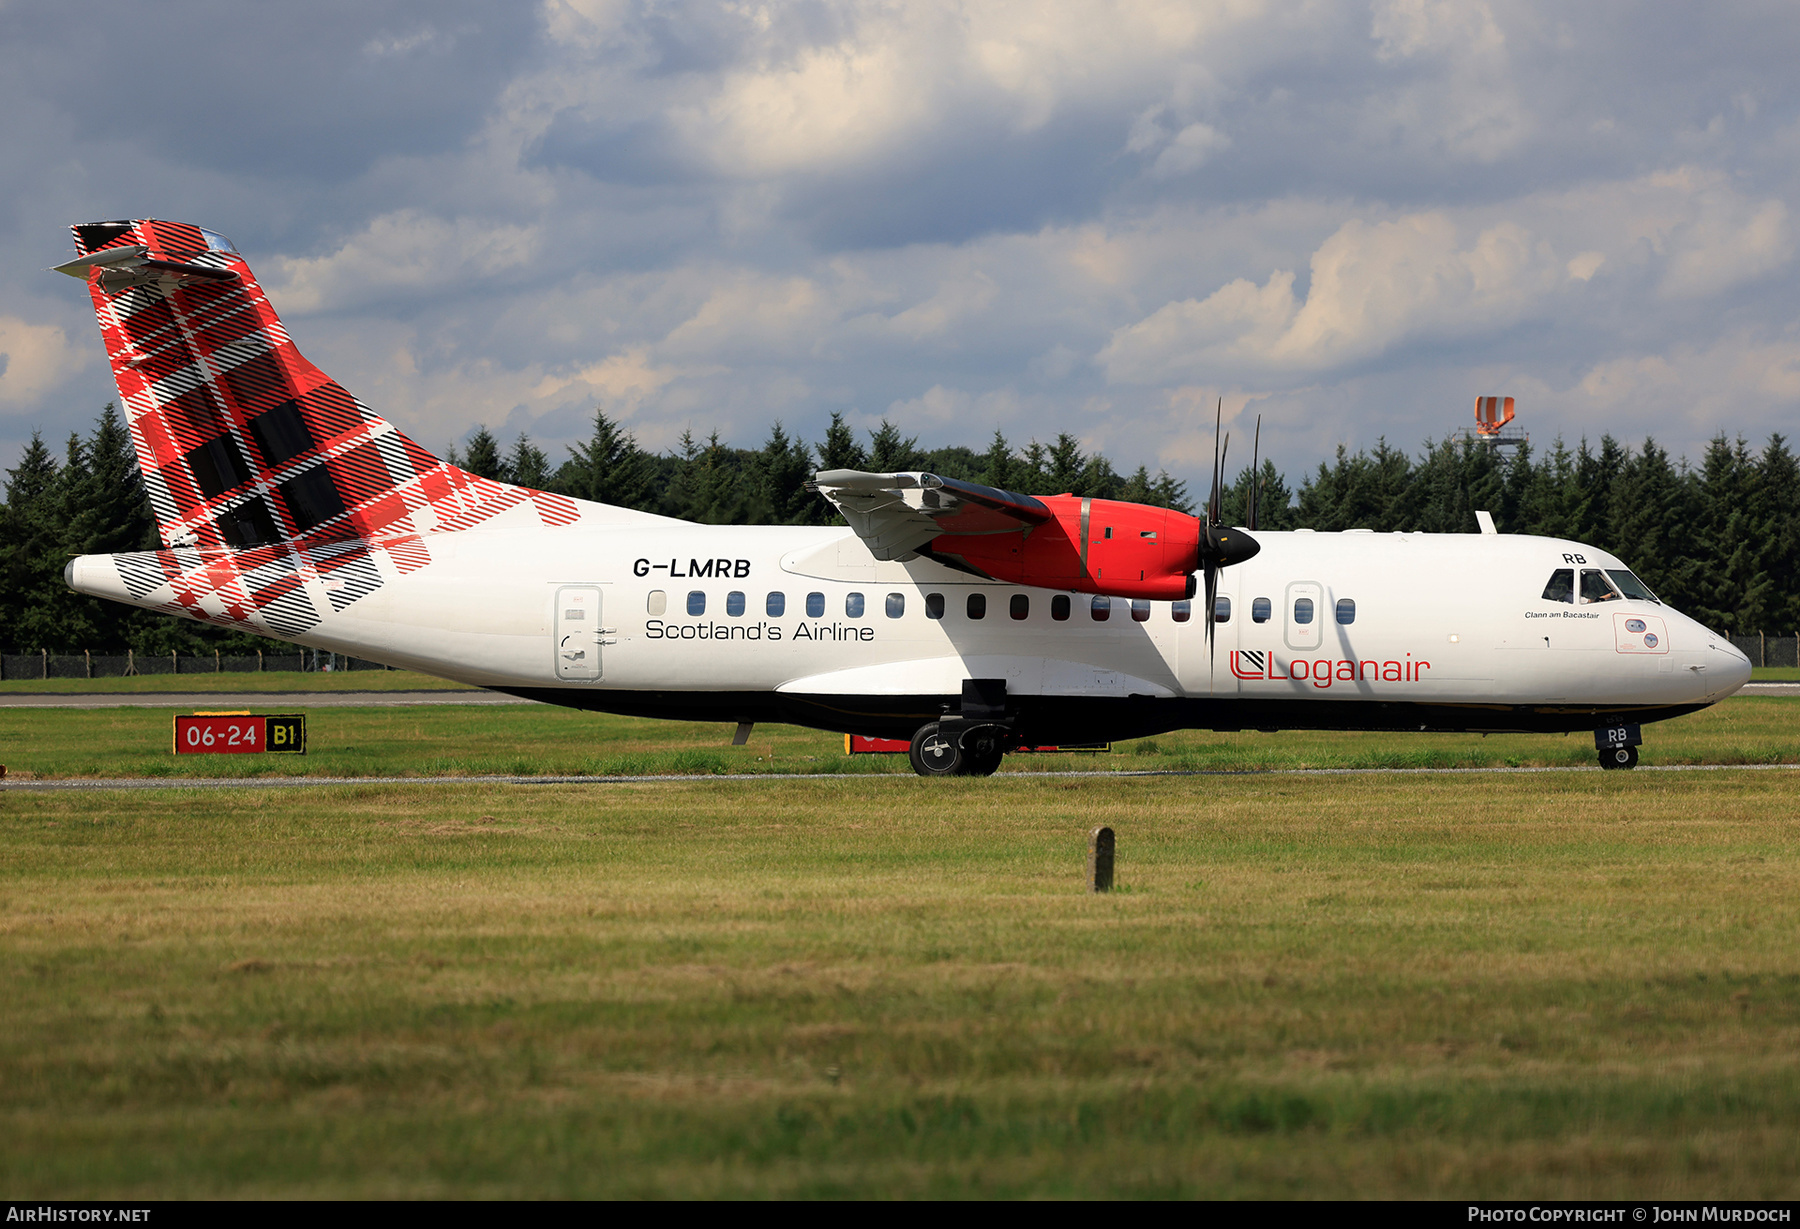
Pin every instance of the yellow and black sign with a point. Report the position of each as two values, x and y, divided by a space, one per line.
287 734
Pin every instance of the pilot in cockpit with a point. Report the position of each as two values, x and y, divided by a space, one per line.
1595 587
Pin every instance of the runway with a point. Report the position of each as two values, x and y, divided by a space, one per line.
134 783
266 700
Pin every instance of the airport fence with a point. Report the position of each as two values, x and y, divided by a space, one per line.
1769 650
47 665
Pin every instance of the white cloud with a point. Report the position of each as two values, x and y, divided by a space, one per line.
1372 287
1731 241
37 359
407 251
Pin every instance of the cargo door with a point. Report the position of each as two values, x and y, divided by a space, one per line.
578 633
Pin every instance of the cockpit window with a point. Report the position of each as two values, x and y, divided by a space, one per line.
1595 587
1631 586
1561 587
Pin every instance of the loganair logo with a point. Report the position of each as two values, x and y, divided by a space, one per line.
1322 672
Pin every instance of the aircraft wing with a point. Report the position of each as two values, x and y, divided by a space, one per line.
896 514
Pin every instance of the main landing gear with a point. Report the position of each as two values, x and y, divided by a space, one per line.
1618 745
974 752
969 742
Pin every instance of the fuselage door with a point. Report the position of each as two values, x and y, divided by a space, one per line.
578 633
1304 616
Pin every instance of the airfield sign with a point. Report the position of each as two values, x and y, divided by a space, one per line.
240 734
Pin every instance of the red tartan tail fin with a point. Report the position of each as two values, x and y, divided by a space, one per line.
242 442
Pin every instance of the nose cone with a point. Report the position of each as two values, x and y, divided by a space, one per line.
1228 546
1727 670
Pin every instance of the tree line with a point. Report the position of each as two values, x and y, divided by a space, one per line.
1719 540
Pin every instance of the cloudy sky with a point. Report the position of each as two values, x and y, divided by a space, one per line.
1351 218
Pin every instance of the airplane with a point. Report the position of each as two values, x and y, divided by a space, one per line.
967 621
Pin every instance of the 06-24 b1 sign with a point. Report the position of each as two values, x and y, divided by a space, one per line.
240 734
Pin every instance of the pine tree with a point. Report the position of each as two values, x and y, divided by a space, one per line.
1646 525
526 465
1776 517
892 453
783 467
1064 465
997 465
30 533
481 455
107 514
609 469
840 449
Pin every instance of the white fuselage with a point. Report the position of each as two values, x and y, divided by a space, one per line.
659 616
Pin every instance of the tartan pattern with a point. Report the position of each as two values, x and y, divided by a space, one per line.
276 492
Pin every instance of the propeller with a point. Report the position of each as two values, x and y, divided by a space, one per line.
1221 547
1255 451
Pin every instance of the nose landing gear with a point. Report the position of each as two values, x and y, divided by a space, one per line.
1619 757
1618 745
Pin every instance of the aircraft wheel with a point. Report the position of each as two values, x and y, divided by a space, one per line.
934 755
982 753
1619 757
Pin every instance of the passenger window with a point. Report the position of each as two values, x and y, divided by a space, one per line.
1102 609
1595 587
1020 606
1561 587
1260 610
1181 611
1221 609
734 604
1059 608
696 603
1303 611
978 605
658 603
1346 610
776 605
934 605
1109 531
896 605
853 605
815 605
1140 610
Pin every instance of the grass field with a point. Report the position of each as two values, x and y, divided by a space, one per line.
534 740
1498 986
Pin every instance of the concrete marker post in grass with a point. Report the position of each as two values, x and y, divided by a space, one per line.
1100 860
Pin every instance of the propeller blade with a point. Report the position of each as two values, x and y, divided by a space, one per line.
1255 452
1212 602
1212 506
1222 456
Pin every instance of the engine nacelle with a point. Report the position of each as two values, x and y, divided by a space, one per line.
1091 546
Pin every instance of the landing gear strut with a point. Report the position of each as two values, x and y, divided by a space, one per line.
1618 745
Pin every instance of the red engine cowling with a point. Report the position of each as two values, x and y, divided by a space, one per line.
1091 546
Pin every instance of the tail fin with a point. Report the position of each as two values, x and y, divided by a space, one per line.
242 442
